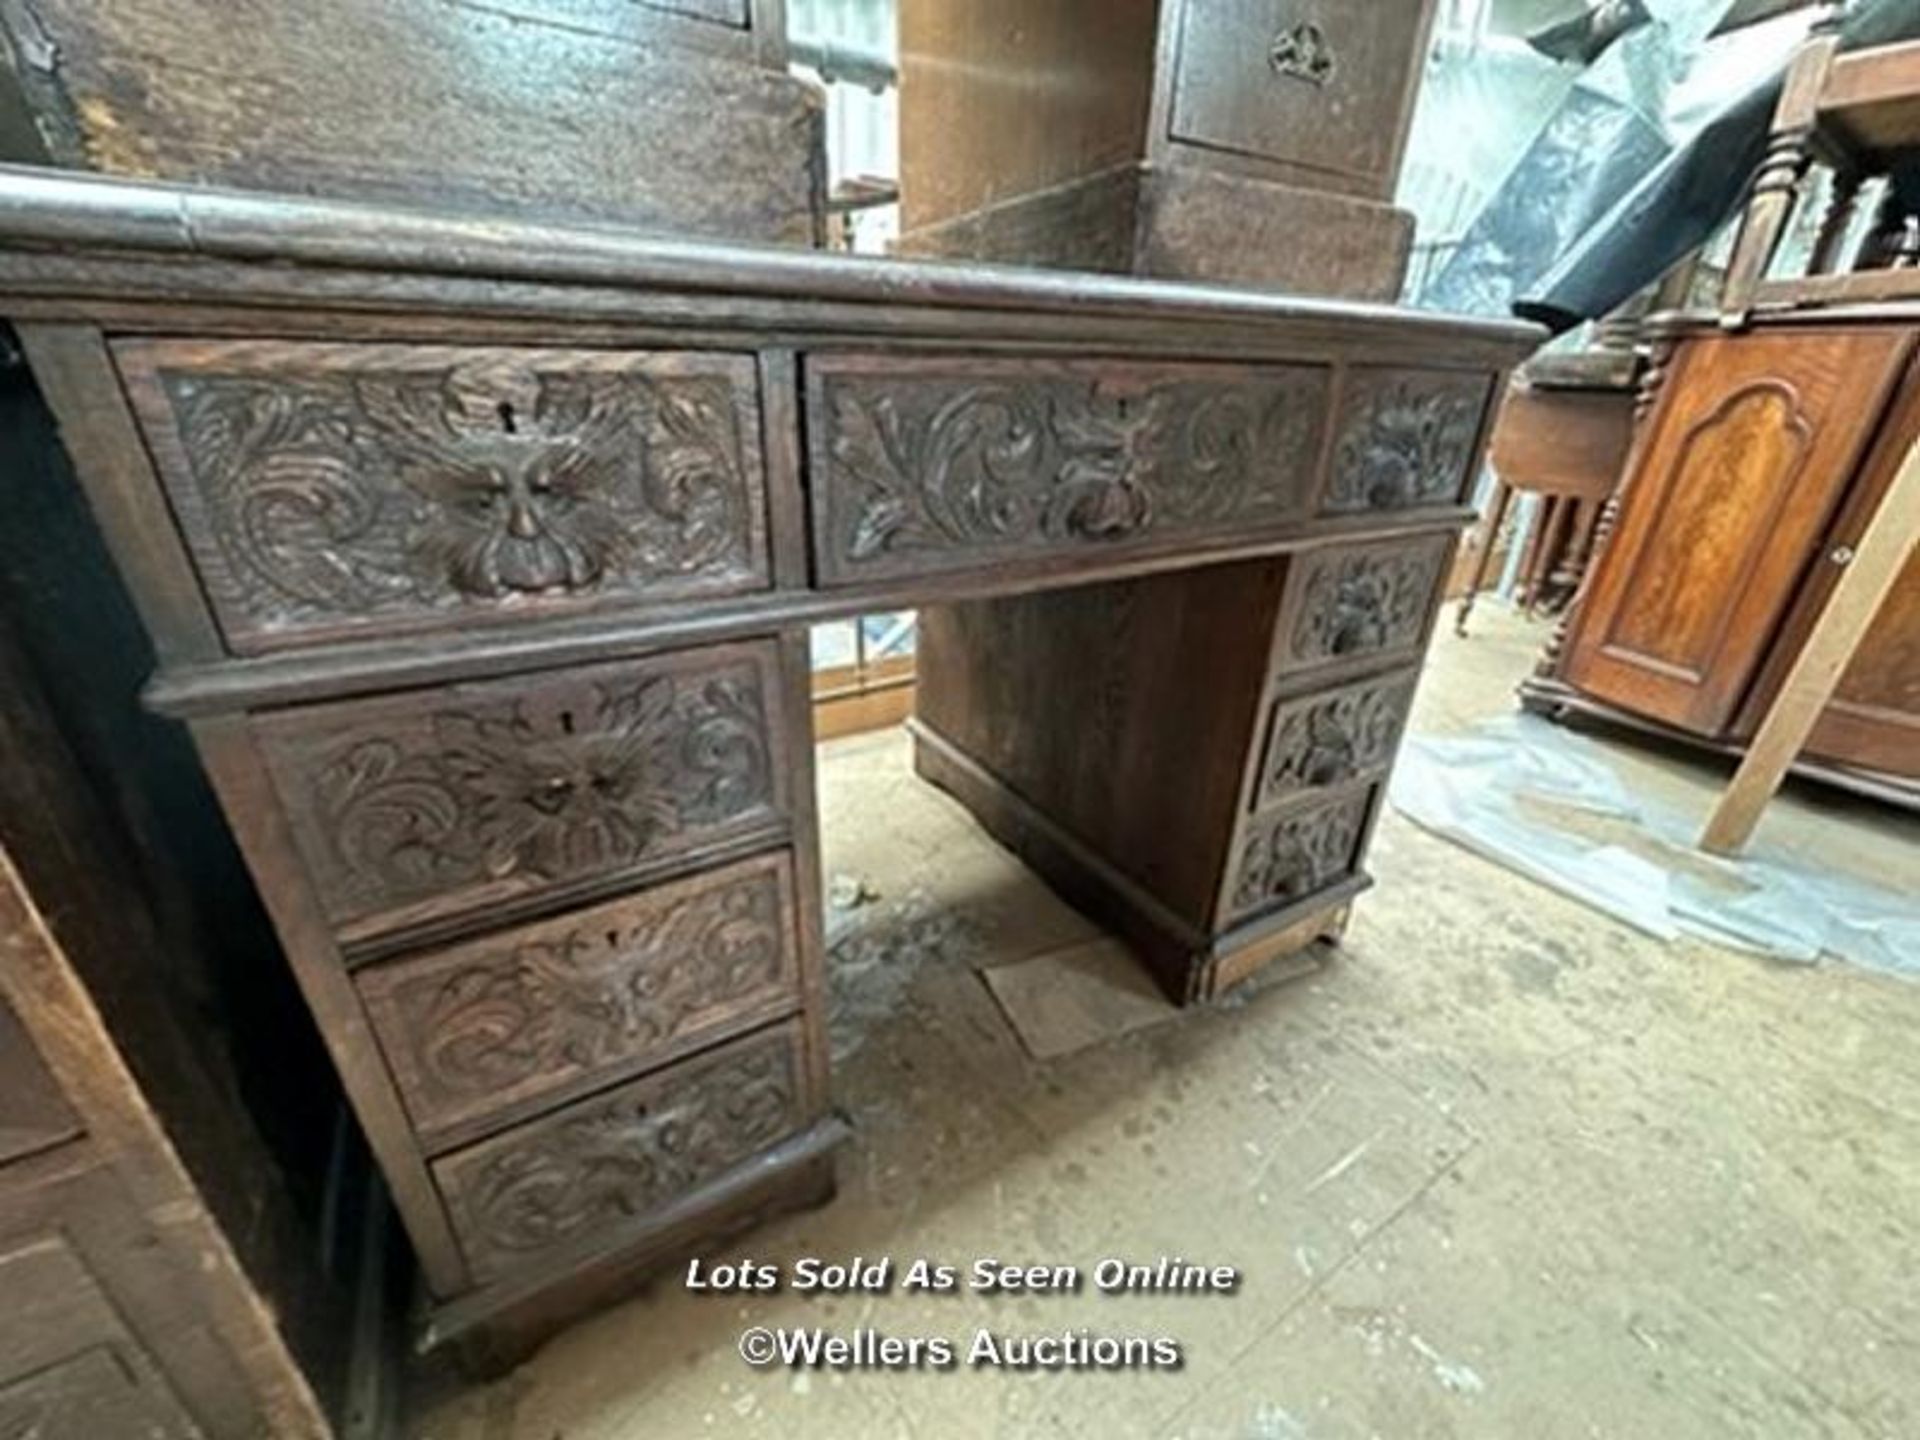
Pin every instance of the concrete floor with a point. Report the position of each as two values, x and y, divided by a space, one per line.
1502 1168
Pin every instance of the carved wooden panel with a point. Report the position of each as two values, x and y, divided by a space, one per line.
1405 438
443 800
1318 741
330 489
546 1009
935 465
1350 601
69 1367
1290 854
606 1160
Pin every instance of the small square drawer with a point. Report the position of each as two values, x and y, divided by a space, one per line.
591 1168
1318 742
1320 84
328 491
413 808
923 466
1294 852
1405 438
490 1027
1352 603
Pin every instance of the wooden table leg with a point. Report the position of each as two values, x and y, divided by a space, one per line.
1496 517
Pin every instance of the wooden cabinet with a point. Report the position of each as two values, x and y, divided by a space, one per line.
1760 461
1245 140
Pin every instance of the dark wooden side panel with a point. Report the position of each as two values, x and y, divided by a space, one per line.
432 99
579 1172
1124 711
999 98
540 1012
411 808
947 465
329 490
1751 446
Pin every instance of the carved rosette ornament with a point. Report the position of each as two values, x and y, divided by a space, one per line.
1365 601
1324 740
344 489
941 471
620 1155
1406 438
1292 854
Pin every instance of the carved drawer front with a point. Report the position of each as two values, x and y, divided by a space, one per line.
328 490
544 1010
409 808
1326 739
1289 854
941 465
1353 602
1405 438
1319 84
602 1162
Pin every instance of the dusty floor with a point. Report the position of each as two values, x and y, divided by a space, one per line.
1503 1168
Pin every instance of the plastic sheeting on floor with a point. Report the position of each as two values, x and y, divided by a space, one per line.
1551 805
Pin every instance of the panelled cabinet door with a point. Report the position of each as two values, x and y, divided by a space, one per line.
1753 441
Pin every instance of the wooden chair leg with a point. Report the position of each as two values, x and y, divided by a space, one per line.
1496 517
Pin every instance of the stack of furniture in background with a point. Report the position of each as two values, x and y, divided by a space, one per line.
1772 429
1256 142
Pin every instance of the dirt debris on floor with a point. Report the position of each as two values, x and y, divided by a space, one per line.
1504 1167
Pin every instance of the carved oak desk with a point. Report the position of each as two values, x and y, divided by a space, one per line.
478 557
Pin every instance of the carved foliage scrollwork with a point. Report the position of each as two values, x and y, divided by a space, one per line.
1328 739
617 1156
943 469
338 493
1406 438
1291 854
541 785
1363 601
518 1016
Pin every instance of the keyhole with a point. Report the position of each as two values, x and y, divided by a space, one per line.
566 722
505 410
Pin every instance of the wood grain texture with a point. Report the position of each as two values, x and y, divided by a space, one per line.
1749 450
1320 87
540 1012
1001 98
1892 538
458 102
418 805
939 465
623 1153
329 489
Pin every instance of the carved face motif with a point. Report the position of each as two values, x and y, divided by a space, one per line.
518 518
